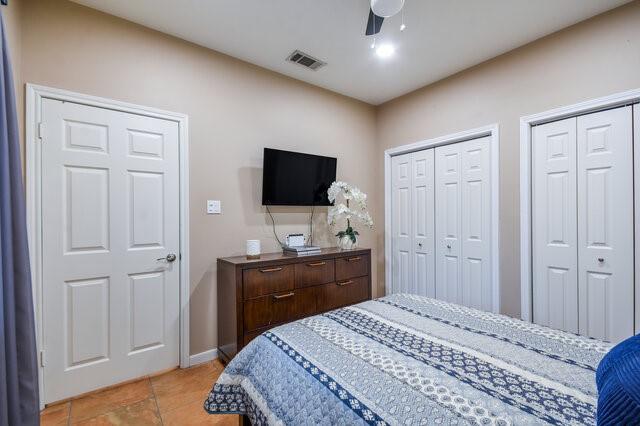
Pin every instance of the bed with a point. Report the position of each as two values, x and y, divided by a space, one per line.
406 359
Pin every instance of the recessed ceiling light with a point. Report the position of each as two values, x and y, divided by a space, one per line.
385 50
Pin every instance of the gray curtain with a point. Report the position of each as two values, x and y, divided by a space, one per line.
18 361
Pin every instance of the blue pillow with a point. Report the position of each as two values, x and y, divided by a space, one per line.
618 380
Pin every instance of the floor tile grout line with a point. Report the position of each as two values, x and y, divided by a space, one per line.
155 400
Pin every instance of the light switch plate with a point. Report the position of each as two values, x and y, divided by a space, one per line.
214 207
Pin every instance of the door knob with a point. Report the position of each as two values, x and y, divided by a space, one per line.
601 259
420 245
449 246
169 258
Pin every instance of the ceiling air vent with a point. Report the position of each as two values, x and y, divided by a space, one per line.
305 60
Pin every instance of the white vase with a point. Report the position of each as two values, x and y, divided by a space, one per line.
345 243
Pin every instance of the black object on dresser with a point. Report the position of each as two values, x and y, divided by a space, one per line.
257 294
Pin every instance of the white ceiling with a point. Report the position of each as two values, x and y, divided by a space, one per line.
442 36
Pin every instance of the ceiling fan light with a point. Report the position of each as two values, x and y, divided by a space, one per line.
385 50
386 8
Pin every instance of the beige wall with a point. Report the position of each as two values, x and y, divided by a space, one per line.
595 58
235 109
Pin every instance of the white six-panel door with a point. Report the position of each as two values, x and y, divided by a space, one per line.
110 194
413 223
423 213
463 223
401 223
448 224
605 224
477 289
555 258
582 210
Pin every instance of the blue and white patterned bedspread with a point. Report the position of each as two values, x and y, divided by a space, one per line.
407 359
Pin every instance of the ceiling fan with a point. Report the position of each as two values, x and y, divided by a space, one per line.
381 9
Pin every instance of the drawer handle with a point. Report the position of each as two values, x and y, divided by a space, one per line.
345 283
353 259
283 296
264 271
317 264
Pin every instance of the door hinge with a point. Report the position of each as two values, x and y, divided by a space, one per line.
40 130
43 360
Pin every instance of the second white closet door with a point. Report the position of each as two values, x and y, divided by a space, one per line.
582 209
605 224
463 223
554 212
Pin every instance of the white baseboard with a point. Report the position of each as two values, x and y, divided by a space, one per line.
203 357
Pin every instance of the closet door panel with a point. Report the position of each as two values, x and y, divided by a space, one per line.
554 220
448 223
476 223
605 224
423 223
401 229
636 159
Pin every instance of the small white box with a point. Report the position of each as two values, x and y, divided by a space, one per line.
295 240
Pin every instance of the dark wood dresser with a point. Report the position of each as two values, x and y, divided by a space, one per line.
257 294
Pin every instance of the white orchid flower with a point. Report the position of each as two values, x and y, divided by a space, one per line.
354 207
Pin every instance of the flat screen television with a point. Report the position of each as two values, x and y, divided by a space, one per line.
296 179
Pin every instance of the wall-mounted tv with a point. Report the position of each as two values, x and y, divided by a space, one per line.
296 179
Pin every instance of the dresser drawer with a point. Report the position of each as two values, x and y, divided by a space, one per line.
270 279
315 272
342 293
278 308
351 267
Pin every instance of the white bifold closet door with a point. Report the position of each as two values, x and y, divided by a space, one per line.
636 176
583 276
555 229
413 223
463 223
605 224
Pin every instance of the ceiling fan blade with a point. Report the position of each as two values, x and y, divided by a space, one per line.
374 23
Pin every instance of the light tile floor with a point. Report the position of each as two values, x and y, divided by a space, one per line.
173 398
